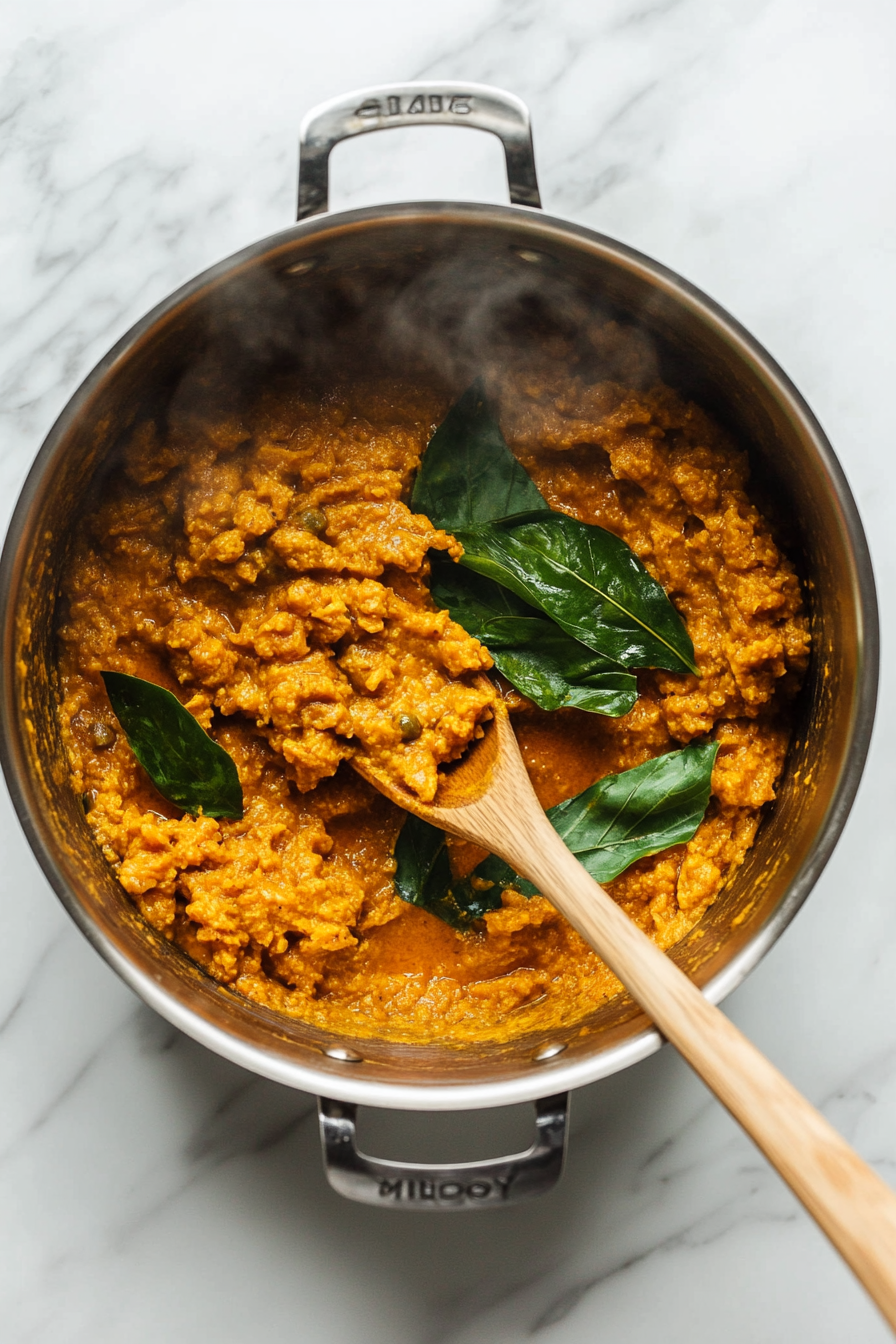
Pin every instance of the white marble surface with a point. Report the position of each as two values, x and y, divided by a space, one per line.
148 1190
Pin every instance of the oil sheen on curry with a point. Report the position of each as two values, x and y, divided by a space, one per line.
260 559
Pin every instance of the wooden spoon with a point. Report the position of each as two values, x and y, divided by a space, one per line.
487 797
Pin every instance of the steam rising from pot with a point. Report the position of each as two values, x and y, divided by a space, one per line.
442 313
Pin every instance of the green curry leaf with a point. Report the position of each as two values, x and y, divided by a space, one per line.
185 764
468 475
532 652
578 575
588 581
608 827
423 872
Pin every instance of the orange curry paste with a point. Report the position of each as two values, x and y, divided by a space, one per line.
264 565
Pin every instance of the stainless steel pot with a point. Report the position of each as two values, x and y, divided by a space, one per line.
417 275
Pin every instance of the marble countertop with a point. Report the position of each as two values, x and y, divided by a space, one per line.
150 1191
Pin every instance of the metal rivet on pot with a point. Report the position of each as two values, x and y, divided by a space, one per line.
549 1051
302 267
531 255
344 1056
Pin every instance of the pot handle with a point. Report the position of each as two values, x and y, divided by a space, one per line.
425 104
418 1187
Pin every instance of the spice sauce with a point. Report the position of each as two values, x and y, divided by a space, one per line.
264 565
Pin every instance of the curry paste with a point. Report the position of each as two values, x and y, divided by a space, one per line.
263 564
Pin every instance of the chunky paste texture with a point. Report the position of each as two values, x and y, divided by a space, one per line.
261 562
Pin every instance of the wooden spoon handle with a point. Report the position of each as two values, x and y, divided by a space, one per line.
851 1204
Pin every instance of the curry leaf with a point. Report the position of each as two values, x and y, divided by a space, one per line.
423 872
588 581
185 764
579 575
626 817
468 475
532 652
608 827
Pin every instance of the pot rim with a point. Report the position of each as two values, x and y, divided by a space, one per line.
544 1078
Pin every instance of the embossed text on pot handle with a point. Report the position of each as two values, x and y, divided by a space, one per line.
458 1185
429 104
